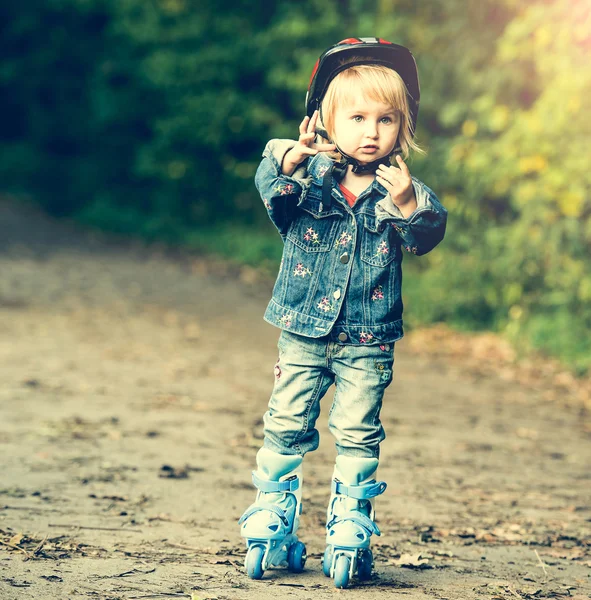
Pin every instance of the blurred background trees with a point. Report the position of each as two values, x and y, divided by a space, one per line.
148 117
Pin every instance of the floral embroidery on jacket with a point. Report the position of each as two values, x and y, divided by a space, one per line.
377 293
364 337
412 250
301 271
397 228
286 188
311 235
267 204
285 320
322 171
325 305
343 239
382 248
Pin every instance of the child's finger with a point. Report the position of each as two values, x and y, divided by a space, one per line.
312 122
383 181
390 172
309 151
325 147
304 125
306 138
387 172
391 176
402 165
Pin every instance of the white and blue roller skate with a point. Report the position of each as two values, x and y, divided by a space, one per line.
350 520
269 525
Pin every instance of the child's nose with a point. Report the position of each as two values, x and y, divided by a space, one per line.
371 129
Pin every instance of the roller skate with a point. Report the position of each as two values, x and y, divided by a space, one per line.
350 520
269 525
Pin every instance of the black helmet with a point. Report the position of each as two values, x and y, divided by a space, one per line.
367 51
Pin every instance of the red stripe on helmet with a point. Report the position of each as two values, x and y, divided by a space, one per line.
350 41
313 73
382 41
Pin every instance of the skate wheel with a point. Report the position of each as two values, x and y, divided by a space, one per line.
327 561
364 565
341 571
296 557
254 562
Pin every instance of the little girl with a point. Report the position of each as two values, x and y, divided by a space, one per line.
345 214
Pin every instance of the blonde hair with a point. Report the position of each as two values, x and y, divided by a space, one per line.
377 83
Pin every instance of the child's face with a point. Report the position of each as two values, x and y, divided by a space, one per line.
365 129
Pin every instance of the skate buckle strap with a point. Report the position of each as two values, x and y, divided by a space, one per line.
357 518
359 492
289 485
254 508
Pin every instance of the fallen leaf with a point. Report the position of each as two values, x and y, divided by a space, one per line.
15 540
412 561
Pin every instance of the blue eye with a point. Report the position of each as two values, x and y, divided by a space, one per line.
386 120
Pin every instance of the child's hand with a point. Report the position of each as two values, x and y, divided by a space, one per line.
305 146
398 182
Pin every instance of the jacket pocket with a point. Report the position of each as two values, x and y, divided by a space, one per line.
313 230
378 247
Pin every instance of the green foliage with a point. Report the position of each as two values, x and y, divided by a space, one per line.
521 162
237 243
148 117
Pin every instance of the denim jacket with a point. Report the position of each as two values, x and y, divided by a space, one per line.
341 273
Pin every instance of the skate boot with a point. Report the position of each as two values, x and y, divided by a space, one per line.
350 520
269 525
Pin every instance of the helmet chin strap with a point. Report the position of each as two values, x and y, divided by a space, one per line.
339 170
361 169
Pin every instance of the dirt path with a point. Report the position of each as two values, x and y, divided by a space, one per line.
133 386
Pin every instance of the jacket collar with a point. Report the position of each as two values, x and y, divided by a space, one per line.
318 166
321 163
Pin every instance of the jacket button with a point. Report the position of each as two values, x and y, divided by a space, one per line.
337 294
342 337
344 258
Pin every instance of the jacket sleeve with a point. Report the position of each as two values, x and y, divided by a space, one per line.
424 228
280 193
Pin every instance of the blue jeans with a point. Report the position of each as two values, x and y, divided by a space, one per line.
306 368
